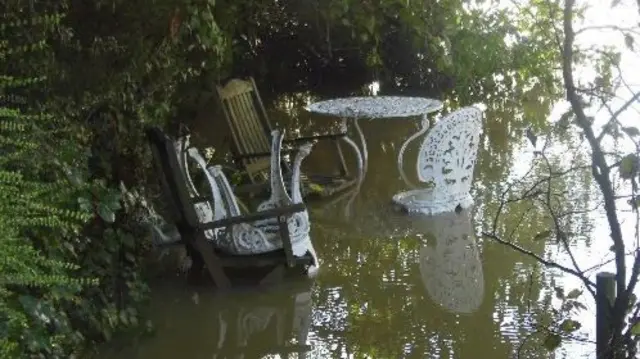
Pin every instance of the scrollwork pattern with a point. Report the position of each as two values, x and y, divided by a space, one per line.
446 162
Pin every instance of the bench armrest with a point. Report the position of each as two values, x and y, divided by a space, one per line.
253 217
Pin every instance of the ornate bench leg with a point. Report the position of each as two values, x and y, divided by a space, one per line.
212 261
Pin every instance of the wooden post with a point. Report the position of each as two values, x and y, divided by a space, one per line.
605 297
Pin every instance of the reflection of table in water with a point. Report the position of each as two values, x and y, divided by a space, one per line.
353 109
452 270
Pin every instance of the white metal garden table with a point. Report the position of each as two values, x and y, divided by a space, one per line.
353 109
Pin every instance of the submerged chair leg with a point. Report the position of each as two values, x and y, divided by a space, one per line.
212 261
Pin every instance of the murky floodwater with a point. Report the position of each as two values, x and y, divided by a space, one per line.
390 286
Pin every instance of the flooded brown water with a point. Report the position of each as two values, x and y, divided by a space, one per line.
389 286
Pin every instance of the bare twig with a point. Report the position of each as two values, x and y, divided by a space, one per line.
589 284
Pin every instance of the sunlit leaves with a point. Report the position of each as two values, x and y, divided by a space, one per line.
552 341
629 166
569 326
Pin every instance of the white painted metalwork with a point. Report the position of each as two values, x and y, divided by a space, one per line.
451 268
445 165
259 237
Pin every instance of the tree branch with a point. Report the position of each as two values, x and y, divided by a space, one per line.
589 284
600 169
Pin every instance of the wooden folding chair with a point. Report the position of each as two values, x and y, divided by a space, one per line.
249 125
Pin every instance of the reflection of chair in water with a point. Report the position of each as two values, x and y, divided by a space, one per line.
266 328
446 161
244 324
452 270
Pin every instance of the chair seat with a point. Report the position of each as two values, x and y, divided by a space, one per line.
425 201
252 245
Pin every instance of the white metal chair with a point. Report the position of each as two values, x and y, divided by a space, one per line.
445 165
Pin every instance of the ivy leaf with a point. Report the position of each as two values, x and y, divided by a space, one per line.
106 213
569 326
542 235
552 341
574 294
629 166
628 40
635 329
112 200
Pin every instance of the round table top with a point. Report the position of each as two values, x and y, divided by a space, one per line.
376 106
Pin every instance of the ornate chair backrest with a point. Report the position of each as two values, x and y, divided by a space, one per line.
447 157
248 123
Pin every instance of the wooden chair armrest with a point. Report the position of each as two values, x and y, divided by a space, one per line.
252 217
261 154
332 136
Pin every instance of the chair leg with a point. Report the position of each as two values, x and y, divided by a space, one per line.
212 261
273 277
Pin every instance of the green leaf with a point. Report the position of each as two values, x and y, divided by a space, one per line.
559 292
628 40
124 319
315 187
569 326
629 166
635 329
85 204
552 341
542 235
574 294
106 213
631 131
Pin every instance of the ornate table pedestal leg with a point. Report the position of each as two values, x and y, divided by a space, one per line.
424 124
359 154
363 143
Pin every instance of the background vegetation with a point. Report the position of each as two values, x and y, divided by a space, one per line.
79 80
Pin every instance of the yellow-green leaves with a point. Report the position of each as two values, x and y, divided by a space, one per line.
552 341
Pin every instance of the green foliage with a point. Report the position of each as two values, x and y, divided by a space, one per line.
34 286
70 256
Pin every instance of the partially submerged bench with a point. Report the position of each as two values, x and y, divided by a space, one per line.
203 251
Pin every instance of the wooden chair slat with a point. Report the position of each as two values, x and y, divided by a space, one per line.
248 121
